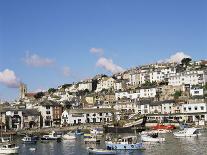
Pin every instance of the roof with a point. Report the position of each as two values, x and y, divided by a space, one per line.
30 112
92 110
49 103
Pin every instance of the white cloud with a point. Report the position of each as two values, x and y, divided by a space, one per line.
109 65
39 90
8 78
177 57
98 51
35 60
66 71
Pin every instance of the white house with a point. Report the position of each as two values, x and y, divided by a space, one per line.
147 92
119 84
167 106
196 91
85 85
105 83
188 77
81 116
194 108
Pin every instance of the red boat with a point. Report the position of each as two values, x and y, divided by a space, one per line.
161 126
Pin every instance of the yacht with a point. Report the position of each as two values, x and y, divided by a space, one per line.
188 132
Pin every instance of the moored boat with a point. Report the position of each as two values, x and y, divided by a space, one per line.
69 136
161 126
30 139
188 132
100 151
124 143
51 136
9 148
153 137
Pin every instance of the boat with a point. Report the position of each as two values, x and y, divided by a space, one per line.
51 136
9 148
78 132
156 131
69 136
96 131
30 139
124 143
32 149
161 126
188 132
153 137
100 151
90 138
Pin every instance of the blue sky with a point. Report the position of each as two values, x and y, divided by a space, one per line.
48 43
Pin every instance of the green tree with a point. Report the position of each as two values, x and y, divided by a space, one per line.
39 95
177 94
51 90
185 61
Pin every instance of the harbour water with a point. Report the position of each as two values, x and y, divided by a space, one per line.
172 146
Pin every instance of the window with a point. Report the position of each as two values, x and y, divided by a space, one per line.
189 108
184 108
47 107
202 107
100 114
47 112
196 108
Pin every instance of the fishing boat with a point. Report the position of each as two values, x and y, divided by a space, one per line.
69 136
30 139
124 143
89 138
188 132
153 137
9 148
100 151
51 136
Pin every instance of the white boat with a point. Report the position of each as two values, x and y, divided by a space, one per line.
124 143
156 131
69 136
52 136
32 149
29 139
188 132
96 131
9 149
151 138
100 151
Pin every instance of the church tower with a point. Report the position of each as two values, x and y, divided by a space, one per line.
23 90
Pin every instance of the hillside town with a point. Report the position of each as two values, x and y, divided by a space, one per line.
161 92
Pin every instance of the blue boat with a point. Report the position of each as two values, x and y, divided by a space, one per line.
78 132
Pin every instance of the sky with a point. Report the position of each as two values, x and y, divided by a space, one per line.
48 43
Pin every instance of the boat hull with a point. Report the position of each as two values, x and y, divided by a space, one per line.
151 139
100 151
114 146
9 150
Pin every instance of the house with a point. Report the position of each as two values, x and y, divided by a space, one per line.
167 106
193 77
82 116
196 91
155 107
120 84
51 113
31 118
105 83
148 92
86 85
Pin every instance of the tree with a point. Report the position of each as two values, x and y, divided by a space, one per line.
185 61
177 94
39 95
51 90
